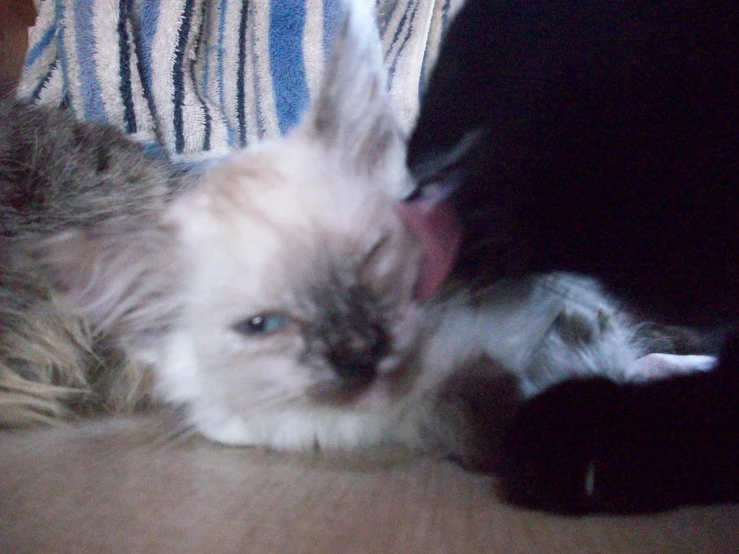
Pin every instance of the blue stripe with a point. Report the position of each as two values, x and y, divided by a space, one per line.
286 27
92 97
40 46
199 167
331 17
401 25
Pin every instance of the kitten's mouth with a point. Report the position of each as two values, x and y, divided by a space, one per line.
435 224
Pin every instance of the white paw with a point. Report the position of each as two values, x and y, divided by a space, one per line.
659 366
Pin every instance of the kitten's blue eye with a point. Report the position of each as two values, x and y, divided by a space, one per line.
262 324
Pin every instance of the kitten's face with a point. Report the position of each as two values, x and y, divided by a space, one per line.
299 289
276 300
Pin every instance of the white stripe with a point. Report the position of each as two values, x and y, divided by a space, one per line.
163 56
53 91
67 22
192 112
230 62
264 90
313 60
107 60
145 130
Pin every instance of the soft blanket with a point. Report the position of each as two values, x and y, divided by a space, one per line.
198 78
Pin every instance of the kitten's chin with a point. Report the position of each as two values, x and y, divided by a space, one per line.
301 428
376 397
232 432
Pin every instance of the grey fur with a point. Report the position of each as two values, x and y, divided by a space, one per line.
57 173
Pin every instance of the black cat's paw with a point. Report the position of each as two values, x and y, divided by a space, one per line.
592 445
550 451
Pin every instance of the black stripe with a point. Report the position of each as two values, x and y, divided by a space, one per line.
124 60
240 77
178 77
45 81
401 24
387 17
196 83
144 77
391 71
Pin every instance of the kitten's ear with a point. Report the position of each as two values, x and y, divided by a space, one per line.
120 279
352 112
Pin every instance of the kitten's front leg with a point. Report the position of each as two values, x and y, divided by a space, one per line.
469 412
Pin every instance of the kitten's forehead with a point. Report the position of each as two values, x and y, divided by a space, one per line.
286 190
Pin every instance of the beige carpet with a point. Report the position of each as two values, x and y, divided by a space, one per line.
105 487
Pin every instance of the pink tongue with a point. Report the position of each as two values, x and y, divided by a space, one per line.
434 222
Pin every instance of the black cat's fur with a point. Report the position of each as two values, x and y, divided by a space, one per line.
602 138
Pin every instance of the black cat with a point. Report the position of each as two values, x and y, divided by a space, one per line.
602 138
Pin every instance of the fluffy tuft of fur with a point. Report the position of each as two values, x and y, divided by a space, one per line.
58 173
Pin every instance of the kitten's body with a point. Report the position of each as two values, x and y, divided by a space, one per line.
601 138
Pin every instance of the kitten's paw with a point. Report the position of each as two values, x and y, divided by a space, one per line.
593 445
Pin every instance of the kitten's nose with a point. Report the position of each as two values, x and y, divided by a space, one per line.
356 358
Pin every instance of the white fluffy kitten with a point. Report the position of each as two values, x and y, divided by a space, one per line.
275 301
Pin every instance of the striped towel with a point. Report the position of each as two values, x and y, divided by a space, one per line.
198 78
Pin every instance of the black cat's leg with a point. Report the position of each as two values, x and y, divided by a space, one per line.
548 450
594 445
